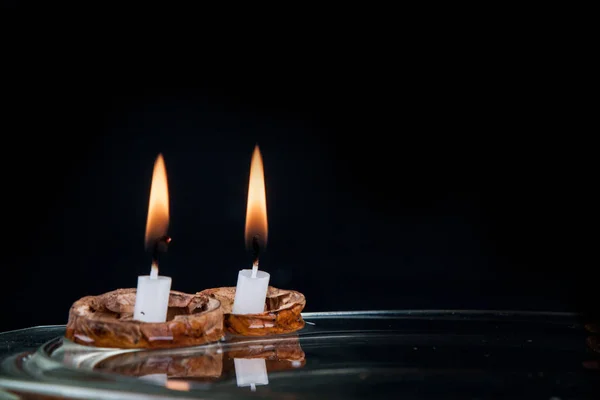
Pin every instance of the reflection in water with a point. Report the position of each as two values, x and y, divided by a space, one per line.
160 379
593 342
251 372
158 366
177 384
253 359
249 360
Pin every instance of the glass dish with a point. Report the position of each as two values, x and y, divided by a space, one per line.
346 355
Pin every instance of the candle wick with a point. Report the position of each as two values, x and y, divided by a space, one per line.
256 254
160 246
154 270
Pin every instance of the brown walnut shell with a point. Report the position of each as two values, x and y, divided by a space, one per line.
281 315
107 321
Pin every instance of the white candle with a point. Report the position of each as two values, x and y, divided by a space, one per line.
152 295
250 292
152 298
251 372
252 284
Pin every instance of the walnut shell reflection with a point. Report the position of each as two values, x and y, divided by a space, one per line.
207 363
280 355
202 364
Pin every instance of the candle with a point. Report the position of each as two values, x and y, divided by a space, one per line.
152 295
251 372
252 284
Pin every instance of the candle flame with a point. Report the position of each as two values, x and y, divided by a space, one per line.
158 209
256 211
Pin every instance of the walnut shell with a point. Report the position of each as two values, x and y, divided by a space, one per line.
281 315
106 321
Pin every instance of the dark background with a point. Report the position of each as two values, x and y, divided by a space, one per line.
388 186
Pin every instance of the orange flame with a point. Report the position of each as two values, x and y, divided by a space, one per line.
256 211
180 385
158 209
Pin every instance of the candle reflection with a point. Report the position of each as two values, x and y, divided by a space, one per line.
251 372
256 358
160 379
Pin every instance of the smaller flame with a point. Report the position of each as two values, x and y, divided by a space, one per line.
256 211
180 385
158 209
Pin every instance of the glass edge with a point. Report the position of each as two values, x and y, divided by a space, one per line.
383 313
13 331
433 312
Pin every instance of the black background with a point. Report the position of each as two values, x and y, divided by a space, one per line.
389 185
